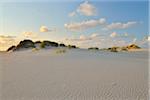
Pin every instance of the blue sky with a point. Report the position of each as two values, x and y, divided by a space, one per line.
76 22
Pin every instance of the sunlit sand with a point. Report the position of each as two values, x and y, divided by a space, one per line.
74 74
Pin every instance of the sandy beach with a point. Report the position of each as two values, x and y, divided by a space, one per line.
74 75
74 50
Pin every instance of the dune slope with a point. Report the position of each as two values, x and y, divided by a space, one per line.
74 75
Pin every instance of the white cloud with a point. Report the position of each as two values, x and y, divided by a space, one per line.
29 35
87 9
119 25
121 35
72 14
94 35
113 34
44 29
98 40
6 41
81 38
134 40
126 34
148 38
143 42
78 26
102 41
84 38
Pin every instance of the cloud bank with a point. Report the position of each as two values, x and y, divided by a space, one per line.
119 25
6 41
79 26
29 35
113 34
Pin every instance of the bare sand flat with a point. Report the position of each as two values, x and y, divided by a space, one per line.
74 75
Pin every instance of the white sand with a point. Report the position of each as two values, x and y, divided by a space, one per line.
75 75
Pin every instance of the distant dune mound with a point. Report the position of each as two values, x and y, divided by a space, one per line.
125 48
12 48
93 48
71 46
114 49
62 45
25 44
133 46
37 45
29 44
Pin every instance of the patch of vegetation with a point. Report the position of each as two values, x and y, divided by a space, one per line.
48 43
93 48
35 49
60 51
37 42
12 48
62 45
125 48
72 46
42 45
113 49
133 46
25 44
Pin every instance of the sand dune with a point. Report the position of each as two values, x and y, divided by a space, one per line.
74 75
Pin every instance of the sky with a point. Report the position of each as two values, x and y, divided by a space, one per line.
85 23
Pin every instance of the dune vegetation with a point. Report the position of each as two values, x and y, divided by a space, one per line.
37 45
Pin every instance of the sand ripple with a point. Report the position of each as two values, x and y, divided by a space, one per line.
74 77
